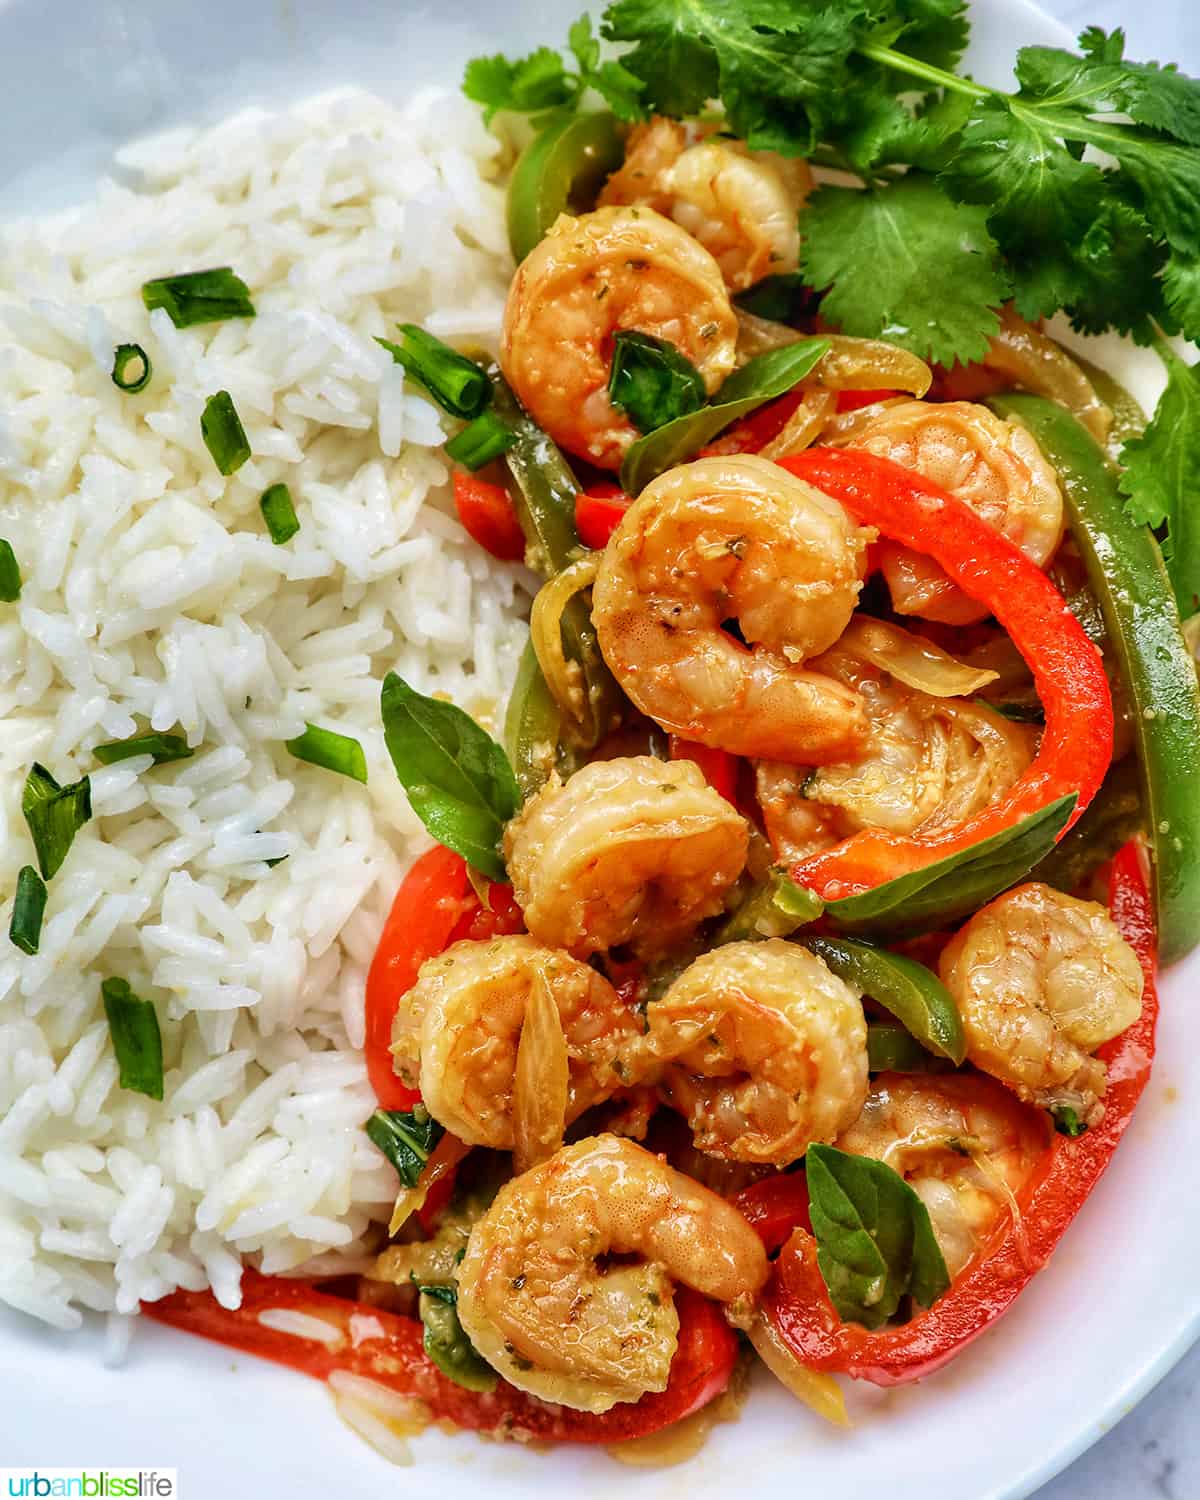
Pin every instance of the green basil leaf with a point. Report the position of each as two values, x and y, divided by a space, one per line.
957 885
458 779
55 814
136 1039
651 382
875 1243
781 299
405 1139
892 1049
447 1344
773 909
762 379
913 994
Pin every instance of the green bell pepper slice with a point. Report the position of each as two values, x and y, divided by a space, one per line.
560 171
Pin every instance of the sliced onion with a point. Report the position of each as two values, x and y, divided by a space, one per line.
911 659
444 1157
1035 362
804 426
563 678
819 1392
851 364
542 1078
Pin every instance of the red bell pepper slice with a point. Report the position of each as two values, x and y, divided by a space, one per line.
598 513
775 1207
488 517
719 767
796 1298
754 432
388 1348
1068 671
434 907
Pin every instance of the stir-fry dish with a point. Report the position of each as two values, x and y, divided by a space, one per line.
781 979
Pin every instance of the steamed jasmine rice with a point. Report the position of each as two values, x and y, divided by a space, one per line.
241 888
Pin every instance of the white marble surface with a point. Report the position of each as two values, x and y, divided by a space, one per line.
1154 1453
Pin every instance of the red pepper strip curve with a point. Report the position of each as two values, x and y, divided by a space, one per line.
1067 668
796 1299
487 514
598 513
774 1207
388 1348
434 907
720 769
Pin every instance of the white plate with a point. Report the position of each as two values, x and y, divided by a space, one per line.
1095 1330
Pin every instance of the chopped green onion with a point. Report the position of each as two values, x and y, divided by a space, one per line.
55 814
223 433
279 513
405 1139
336 752
25 929
200 297
651 382
136 1039
163 747
486 438
454 381
1067 1121
125 355
10 574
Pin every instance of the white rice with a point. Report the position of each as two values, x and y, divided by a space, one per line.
152 593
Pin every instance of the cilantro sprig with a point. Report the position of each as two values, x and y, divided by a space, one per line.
1077 192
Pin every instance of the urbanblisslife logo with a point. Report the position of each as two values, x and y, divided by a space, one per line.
98 1484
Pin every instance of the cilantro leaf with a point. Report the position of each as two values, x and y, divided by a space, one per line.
1102 82
1162 476
1181 293
673 56
539 81
877 250
934 31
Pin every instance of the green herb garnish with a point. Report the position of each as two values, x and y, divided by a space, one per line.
458 779
333 751
125 355
488 437
55 814
10 574
163 747
1067 1121
25 929
651 381
405 1139
455 382
136 1039
875 1243
223 433
279 513
446 1343
199 297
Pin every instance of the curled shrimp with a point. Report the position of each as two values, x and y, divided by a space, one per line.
767 1051
742 205
734 538
1041 980
995 467
928 764
538 1307
964 1145
614 269
457 1034
631 851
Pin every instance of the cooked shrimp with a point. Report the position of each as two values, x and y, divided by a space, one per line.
767 1051
929 764
1041 980
722 539
996 467
965 1146
590 277
457 1032
743 206
632 851
537 1306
